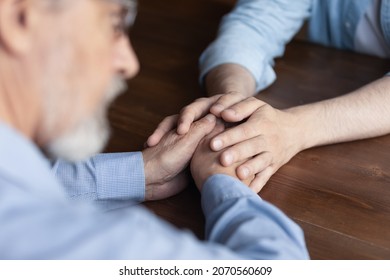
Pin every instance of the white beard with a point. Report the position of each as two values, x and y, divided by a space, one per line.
90 135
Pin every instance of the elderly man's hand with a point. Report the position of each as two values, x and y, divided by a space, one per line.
182 122
165 163
205 162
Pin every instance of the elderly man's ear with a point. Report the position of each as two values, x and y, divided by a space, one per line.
16 25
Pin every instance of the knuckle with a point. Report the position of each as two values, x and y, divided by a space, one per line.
229 97
223 100
268 110
261 143
165 120
217 96
269 171
243 151
200 100
253 99
168 119
198 124
268 158
248 130
161 125
257 166
233 92
260 163
185 109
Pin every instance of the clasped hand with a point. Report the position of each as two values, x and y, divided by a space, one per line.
165 163
262 141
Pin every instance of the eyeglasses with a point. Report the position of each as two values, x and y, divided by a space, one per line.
129 12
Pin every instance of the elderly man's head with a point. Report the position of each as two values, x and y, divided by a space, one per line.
61 63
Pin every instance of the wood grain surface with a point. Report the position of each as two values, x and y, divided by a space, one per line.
339 194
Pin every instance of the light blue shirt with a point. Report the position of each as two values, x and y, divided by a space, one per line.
369 37
42 217
256 31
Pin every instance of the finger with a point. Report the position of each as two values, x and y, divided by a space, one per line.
243 150
242 110
219 127
199 130
225 101
254 166
234 135
193 112
205 142
261 179
163 128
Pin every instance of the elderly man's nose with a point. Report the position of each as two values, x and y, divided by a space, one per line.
125 61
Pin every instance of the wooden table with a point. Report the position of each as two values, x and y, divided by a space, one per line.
338 194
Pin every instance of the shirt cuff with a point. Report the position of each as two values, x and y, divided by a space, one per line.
120 176
228 50
220 188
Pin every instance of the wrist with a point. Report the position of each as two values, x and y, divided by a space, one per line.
230 78
148 169
200 178
148 192
305 131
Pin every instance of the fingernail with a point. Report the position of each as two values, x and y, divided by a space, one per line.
218 107
210 117
217 144
228 158
230 112
245 172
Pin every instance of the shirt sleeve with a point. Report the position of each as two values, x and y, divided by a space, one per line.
111 180
239 226
236 217
253 34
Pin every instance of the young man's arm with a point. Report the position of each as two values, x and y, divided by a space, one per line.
272 137
240 61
